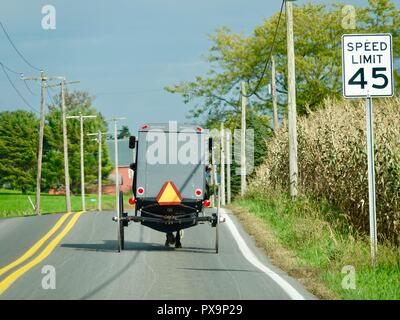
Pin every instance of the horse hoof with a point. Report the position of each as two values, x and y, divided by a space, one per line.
178 245
170 239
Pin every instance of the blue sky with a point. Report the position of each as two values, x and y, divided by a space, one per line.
123 51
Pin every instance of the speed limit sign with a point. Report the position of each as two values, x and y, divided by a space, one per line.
367 65
367 62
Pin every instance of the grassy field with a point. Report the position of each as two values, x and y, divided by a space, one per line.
311 241
14 203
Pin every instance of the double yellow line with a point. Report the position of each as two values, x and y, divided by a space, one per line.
10 279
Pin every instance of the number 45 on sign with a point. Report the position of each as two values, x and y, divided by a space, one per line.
367 65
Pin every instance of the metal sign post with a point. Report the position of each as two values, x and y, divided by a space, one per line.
371 179
367 63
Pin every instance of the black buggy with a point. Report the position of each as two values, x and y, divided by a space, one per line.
171 185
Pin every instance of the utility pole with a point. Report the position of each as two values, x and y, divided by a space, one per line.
228 165
214 176
222 164
292 126
117 180
274 96
62 85
43 81
243 184
100 168
41 134
99 141
81 118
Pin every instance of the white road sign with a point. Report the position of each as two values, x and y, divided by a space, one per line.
367 62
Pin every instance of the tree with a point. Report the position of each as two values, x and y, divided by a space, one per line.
124 132
18 149
53 160
318 29
262 133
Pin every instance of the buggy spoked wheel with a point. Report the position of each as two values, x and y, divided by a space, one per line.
215 224
120 225
216 237
121 236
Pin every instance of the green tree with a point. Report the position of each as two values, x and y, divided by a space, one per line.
18 149
261 131
53 160
124 132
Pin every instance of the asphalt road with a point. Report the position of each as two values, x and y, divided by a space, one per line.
87 265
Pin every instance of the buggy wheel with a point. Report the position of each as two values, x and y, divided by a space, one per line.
120 231
216 238
121 236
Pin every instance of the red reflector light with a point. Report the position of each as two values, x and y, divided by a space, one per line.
132 201
140 190
206 203
198 192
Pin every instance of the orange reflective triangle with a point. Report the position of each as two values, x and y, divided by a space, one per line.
169 195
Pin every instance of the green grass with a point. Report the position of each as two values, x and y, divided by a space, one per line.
14 203
321 239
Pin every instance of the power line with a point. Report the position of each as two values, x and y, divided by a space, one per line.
10 70
15 48
16 90
254 91
50 97
19 73
29 89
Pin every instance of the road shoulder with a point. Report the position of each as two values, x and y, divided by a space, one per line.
267 248
253 241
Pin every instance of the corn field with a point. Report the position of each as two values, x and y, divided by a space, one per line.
332 160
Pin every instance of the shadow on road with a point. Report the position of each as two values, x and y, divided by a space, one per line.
111 246
117 273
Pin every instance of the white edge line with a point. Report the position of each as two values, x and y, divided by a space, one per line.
249 255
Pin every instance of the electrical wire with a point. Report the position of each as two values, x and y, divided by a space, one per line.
50 88
19 73
29 89
10 70
16 90
267 62
16 49
50 97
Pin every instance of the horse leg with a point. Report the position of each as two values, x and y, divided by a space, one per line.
178 243
169 237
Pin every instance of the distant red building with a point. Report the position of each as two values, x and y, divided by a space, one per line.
57 191
125 158
127 180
